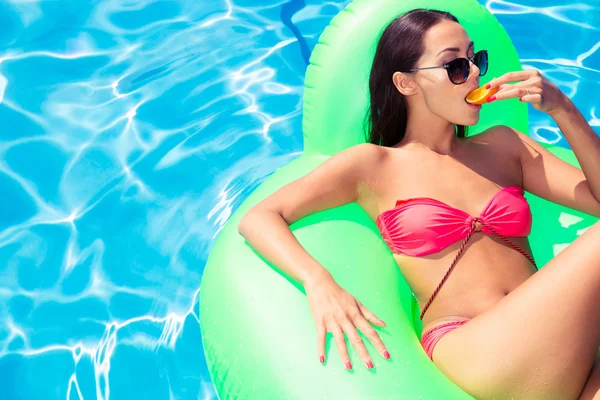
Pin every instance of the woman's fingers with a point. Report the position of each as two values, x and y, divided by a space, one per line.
343 315
321 338
369 315
358 343
532 98
341 344
514 91
512 77
367 330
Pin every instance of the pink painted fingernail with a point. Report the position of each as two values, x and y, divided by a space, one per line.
348 364
489 85
520 99
321 358
491 98
369 363
386 355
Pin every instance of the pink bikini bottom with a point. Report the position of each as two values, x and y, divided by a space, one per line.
430 338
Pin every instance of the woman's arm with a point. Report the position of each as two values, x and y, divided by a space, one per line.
335 182
544 174
584 142
269 234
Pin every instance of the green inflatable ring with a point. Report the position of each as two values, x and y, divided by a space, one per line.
258 333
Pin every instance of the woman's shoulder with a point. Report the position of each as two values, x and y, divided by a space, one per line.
499 134
367 154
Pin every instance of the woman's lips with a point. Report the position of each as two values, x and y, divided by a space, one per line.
474 106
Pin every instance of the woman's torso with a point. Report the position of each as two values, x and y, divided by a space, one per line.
488 269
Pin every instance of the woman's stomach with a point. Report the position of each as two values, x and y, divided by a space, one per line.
487 271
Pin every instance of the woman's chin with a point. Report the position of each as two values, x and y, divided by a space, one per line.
469 120
473 122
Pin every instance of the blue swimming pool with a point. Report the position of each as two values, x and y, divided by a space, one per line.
131 130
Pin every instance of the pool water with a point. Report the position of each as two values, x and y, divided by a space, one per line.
131 130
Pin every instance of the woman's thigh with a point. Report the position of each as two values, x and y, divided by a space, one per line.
591 391
538 342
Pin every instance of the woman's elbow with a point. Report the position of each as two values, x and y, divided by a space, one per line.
246 219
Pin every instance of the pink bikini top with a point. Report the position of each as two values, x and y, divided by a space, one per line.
420 226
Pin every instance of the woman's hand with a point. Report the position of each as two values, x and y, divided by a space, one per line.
338 312
544 95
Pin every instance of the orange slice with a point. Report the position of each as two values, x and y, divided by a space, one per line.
481 94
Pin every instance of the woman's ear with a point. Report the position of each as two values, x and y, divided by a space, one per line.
404 83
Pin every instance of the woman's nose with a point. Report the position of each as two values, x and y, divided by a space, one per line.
474 68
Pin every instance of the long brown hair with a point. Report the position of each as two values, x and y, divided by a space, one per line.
400 47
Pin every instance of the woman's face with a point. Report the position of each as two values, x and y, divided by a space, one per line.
444 42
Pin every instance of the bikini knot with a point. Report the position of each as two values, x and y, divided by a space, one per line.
477 224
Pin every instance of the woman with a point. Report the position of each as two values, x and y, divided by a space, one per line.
498 328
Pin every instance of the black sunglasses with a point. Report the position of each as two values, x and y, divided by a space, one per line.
459 68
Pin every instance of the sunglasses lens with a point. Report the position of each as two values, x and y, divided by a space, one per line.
458 70
481 60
